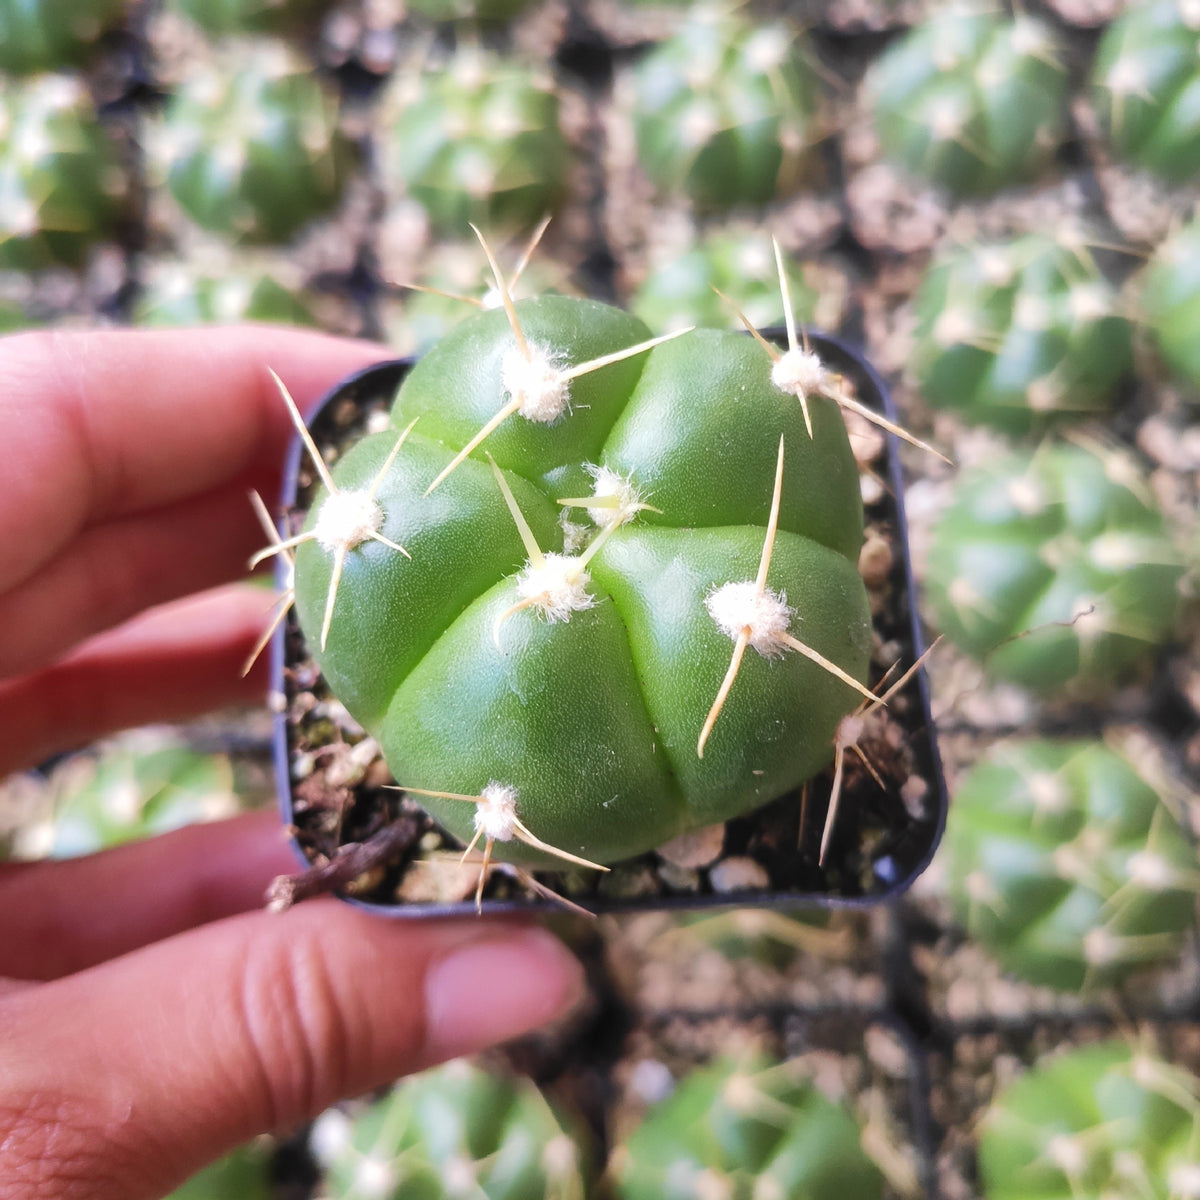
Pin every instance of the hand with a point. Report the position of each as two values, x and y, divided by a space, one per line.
148 1021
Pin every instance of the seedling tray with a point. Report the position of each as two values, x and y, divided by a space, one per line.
333 790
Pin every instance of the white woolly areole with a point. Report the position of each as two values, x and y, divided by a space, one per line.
558 586
496 814
737 606
799 372
536 384
346 519
607 484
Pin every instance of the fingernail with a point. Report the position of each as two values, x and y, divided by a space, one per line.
489 991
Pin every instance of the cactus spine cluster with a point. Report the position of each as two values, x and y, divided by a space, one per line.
1065 863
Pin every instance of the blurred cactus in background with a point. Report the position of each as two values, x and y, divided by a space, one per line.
1017 334
249 144
726 111
1055 569
248 16
1146 87
176 293
1067 866
743 1130
475 140
1168 291
1101 1121
452 1131
971 99
62 185
242 1175
678 291
50 35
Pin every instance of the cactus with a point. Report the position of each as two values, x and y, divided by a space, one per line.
477 140
679 290
483 12
61 180
242 1175
1017 334
132 787
725 111
1064 862
453 1131
248 16
48 35
1054 570
572 699
970 100
250 146
1169 301
172 294
1100 1121
1144 85
744 1129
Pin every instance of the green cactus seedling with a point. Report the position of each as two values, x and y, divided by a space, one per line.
248 16
61 180
1146 84
1169 301
1018 334
566 686
250 145
476 140
1065 863
49 35
454 1131
726 110
1055 570
685 288
744 1130
1101 1121
172 294
242 1175
970 100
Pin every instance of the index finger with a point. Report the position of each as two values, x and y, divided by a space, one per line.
108 423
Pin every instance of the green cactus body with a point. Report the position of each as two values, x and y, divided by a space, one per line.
970 100
1146 88
453 1131
475 141
61 182
1054 570
746 1130
248 16
1102 1121
1018 334
678 292
174 295
725 110
47 35
250 146
242 1175
1169 299
1064 862
590 703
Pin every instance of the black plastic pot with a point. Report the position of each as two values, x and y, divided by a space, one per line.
883 862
